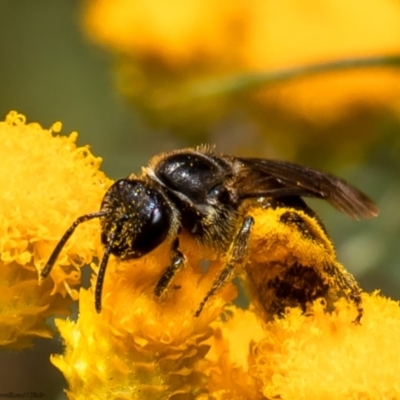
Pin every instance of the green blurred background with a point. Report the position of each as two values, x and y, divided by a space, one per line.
49 71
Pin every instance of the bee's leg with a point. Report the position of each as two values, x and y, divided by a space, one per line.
349 286
355 297
177 262
238 253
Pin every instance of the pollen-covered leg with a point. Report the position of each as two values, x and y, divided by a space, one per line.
236 256
178 261
333 274
346 283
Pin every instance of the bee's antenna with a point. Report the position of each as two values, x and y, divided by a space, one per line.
56 252
102 271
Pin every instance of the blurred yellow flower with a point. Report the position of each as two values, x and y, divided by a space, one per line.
47 182
178 33
253 35
167 52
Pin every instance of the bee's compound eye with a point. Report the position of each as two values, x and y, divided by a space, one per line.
156 221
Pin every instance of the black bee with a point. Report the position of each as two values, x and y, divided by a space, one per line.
205 194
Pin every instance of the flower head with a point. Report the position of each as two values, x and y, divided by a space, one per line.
140 346
47 182
326 356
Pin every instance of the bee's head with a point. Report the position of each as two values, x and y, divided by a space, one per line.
137 218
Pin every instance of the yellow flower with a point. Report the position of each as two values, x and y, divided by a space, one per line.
255 34
326 356
229 360
46 183
140 347
168 51
178 34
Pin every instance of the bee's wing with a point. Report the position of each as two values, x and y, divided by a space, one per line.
274 178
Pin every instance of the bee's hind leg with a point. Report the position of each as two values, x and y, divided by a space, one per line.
236 256
347 284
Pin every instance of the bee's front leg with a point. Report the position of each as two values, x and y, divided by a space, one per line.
177 261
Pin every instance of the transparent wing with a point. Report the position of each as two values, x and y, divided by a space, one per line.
273 178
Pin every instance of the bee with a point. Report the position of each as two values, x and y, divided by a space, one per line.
206 195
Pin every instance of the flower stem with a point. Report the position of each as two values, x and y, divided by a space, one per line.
253 80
